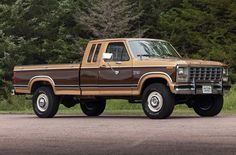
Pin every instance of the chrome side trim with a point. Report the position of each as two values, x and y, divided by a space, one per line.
144 66
45 68
108 85
148 73
41 76
66 85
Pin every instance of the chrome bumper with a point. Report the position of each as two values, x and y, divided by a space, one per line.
196 88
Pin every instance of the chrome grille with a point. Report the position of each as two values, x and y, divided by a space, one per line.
205 74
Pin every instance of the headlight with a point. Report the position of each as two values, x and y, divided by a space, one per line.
180 71
225 75
225 71
225 79
182 74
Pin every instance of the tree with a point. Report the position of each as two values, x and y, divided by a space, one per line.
150 17
37 32
109 18
203 29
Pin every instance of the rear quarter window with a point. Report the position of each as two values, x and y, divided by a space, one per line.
96 53
91 53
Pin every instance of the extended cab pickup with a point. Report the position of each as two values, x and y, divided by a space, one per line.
146 71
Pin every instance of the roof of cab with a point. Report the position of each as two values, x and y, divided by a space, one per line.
123 39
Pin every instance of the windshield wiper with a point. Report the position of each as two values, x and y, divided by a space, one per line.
168 56
148 55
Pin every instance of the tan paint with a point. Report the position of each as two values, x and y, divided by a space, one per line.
41 79
46 67
154 75
68 92
22 90
102 91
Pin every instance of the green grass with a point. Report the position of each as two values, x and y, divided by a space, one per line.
18 104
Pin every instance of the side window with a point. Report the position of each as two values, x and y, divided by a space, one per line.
91 53
96 53
118 50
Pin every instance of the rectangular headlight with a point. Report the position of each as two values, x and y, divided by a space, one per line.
225 71
225 75
182 74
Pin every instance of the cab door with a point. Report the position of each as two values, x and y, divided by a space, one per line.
115 76
89 72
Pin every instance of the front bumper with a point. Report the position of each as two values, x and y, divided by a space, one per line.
197 88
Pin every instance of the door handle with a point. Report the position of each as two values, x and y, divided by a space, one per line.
118 62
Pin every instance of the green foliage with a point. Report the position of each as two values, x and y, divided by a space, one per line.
203 29
230 100
38 31
108 18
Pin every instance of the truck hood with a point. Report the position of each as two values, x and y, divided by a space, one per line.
175 62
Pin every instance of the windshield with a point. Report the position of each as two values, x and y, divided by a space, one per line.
152 48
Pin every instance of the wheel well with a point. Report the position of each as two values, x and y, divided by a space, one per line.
153 80
38 84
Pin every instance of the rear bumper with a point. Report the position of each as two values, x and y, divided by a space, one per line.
13 92
196 88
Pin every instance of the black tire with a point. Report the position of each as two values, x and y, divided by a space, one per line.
45 103
93 108
68 101
209 105
157 101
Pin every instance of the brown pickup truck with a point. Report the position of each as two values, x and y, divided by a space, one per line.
146 71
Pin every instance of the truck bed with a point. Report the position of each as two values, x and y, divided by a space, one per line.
63 77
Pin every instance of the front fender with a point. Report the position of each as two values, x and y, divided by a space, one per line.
159 75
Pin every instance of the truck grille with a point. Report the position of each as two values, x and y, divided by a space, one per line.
205 74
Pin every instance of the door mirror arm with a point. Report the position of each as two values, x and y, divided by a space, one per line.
107 57
114 71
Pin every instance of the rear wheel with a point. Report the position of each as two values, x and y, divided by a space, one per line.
158 101
45 103
68 101
93 108
208 106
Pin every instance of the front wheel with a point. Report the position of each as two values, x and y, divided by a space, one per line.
45 103
208 106
93 108
158 101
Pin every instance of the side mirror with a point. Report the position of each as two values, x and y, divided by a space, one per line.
107 56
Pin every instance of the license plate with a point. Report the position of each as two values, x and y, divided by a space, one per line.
206 89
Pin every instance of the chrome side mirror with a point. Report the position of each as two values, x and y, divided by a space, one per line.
107 56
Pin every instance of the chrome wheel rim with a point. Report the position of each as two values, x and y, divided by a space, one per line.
155 101
42 102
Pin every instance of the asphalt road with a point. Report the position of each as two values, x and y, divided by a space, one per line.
27 134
